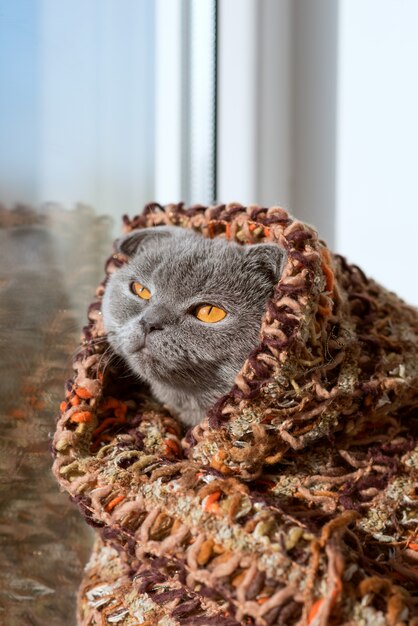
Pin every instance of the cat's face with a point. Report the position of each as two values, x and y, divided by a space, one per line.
185 311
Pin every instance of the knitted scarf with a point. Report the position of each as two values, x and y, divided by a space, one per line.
295 500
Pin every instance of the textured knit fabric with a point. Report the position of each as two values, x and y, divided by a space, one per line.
295 500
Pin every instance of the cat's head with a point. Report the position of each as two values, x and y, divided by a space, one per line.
185 311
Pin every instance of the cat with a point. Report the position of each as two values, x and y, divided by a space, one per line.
185 312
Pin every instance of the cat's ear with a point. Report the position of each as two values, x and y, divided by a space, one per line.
130 243
267 258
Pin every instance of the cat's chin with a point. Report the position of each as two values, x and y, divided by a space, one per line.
144 361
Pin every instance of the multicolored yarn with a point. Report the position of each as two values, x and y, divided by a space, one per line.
295 500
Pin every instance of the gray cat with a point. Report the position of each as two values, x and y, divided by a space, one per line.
185 312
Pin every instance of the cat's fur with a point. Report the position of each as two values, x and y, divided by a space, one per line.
188 364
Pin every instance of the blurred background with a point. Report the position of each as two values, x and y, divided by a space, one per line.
311 104
106 105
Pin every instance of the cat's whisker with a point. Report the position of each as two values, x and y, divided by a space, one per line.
96 341
109 357
105 354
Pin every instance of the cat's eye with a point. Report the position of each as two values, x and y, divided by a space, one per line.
209 313
140 290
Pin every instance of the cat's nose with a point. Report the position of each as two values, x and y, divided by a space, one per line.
155 317
148 327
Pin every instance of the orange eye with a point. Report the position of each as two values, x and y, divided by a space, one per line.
141 291
209 313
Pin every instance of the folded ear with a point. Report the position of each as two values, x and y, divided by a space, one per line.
132 241
267 258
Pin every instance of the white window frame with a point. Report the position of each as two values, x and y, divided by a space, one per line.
185 142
